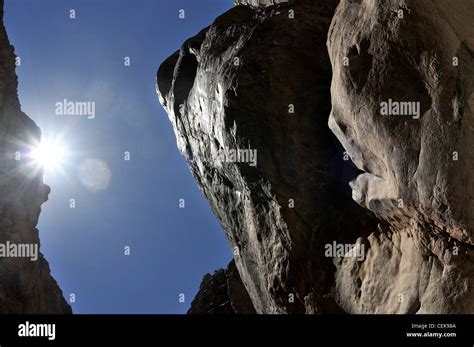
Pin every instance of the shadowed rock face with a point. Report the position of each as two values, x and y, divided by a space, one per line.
25 286
259 79
222 293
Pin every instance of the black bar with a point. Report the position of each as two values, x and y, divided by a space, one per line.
323 330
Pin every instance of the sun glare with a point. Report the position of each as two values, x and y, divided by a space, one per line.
48 154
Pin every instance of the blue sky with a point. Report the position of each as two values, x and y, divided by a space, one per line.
82 59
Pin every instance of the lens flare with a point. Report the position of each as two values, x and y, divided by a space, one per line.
48 154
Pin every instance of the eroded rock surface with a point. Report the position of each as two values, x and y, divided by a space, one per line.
418 165
26 286
259 78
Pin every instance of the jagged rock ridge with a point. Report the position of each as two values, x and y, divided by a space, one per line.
258 3
222 293
26 286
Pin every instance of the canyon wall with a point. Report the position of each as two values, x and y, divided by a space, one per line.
417 165
255 100
26 285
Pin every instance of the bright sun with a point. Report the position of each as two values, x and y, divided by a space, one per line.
48 154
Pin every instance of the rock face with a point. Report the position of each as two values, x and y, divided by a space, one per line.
417 165
250 83
26 286
249 99
222 293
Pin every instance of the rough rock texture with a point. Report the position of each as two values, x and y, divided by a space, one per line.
260 79
222 293
418 172
258 3
233 86
25 286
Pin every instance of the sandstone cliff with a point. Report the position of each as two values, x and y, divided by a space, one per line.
250 98
26 286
